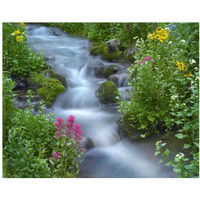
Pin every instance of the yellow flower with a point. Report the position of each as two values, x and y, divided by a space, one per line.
181 66
152 36
22 24
19 38
189 74
17 32
161 35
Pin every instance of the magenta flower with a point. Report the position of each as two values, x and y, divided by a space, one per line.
147 58
140 62
84 150
56 155
70 120
60 120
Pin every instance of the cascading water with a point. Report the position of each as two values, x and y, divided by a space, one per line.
111 155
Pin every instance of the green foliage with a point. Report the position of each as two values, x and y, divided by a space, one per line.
107 92
68 152
182 166
71 28
165 86
49 88
28 140
18 58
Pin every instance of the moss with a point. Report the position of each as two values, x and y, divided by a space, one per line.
107 93
109 71
50 89
103 50
56 76
127 130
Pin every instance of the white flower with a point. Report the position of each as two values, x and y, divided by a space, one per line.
192 61
170 42
183 41
174 97
197 78
196 68
167 29
180 155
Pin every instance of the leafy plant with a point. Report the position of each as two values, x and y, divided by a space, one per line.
18 58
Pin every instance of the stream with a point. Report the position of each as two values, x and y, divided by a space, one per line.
111 156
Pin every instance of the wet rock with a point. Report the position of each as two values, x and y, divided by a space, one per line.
87 143
131 50
120 79
113 45
107 93
20 83
126 130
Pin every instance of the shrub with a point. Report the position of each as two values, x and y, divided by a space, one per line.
18 58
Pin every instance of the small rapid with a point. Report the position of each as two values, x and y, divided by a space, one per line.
112 156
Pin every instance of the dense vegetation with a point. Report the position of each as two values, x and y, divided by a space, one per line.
164 81
31 146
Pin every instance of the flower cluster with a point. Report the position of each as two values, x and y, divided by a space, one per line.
181 66
160 35
189 74
146 59
56 155
70 131
22 24
18 34
180 155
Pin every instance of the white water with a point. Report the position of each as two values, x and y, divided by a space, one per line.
111 156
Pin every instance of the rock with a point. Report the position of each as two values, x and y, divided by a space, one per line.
52 74
126 130
120 79
113 45
108 51
87 143
20 83
130 52
107 93
95 68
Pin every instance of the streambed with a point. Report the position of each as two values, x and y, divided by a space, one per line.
111 156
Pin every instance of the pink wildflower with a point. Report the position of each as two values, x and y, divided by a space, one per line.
60 120
140 62
84 150
56 155
57 124
70 120
147 58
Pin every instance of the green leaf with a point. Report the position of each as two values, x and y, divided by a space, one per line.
197 144
186 146
180 136
160 161
177 171
156 153
168 164
166 152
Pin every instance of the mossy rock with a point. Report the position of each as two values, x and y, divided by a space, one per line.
107 93
50 89
126 129
103 50
109 71
59 77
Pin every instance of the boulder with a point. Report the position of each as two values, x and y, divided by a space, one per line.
87 143
126 130
52 74
107 93
120 79
113 45
95 67
130 51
